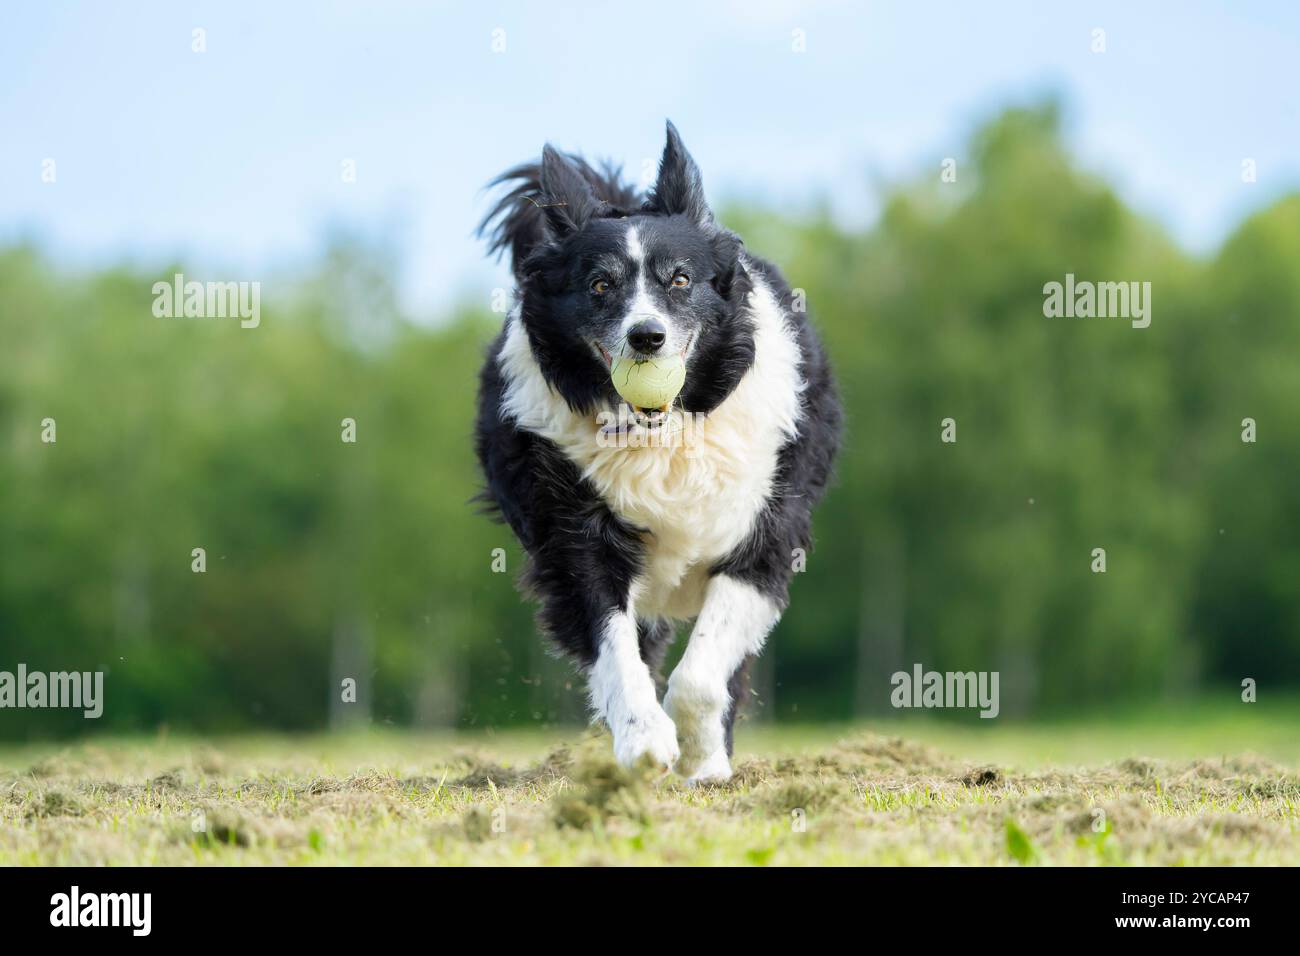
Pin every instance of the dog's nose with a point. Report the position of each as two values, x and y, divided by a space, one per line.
648 335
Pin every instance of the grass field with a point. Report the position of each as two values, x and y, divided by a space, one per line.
1199 786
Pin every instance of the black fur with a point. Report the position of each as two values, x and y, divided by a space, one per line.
737 691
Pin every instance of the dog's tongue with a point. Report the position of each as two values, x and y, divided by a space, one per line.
619 426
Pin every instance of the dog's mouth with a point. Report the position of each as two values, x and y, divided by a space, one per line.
650 418
625 418
634 414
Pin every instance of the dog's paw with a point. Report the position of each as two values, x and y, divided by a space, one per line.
714 769
650 735
697 708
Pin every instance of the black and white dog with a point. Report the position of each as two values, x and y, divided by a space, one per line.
625 537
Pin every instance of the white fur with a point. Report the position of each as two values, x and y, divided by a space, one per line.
634 248
734 623
623 693
697 500
642 306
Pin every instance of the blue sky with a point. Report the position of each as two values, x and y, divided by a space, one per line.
230 160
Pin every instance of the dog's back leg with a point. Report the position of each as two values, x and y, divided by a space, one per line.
655 636
737 692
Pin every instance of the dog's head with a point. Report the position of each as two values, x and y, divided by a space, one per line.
604 273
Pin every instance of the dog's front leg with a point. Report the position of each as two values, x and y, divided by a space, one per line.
732 625
623 693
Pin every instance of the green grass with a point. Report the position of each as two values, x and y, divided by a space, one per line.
1199 786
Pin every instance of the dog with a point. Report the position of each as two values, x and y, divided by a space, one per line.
625 539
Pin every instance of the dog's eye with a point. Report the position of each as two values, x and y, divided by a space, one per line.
681 280
600 287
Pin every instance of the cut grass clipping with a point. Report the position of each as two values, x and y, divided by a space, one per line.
397 800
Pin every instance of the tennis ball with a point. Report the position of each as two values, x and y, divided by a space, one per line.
648 383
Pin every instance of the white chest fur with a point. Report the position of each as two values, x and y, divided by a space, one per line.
697 497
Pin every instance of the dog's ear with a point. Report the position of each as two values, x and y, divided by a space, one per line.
566 200
524 219
679 189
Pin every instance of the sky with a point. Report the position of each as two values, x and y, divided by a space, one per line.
231 160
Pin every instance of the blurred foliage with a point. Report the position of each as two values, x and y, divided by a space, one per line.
327 559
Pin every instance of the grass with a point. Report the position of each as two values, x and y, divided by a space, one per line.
1160 789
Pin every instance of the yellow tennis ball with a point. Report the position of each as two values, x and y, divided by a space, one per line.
648 383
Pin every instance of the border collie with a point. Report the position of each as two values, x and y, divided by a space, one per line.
625 536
